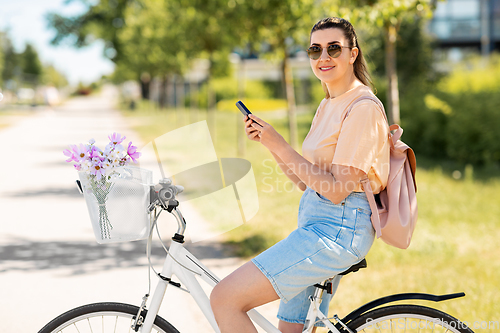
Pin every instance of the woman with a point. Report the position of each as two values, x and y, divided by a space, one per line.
334 228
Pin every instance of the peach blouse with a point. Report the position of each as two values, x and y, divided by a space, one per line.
360 141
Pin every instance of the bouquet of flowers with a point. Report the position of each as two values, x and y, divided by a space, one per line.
98 167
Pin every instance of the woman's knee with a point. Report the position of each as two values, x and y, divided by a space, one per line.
243 290
218 296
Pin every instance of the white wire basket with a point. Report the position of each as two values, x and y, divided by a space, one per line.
118 206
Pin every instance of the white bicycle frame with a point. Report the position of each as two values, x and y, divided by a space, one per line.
185 266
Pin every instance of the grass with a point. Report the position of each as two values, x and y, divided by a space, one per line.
455 245
10 116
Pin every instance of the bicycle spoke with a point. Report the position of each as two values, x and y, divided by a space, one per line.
102 318
90 326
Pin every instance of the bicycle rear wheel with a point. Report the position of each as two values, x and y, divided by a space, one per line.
102 318
408 319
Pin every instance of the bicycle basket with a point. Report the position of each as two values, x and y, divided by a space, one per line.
117 204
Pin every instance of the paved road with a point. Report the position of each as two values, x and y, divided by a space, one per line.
49 260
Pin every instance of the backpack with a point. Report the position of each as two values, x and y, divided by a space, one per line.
394 215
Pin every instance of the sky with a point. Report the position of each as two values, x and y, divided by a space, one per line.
24 21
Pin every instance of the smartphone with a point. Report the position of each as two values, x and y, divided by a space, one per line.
243 108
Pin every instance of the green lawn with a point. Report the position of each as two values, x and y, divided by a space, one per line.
455 246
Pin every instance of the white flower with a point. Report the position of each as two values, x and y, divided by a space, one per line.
112 155
85 166
107 165
91 141
108 148
119 150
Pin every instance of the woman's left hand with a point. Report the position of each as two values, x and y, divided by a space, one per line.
268 136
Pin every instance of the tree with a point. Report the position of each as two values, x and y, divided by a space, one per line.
152 36
389 15
102 20
2 51
281 24
31 66
10 60
153 41
51 76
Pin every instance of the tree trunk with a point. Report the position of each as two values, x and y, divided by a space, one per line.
179 92
211 102
145 80
163 91
240 127
193 94
392 75
290 98
170 89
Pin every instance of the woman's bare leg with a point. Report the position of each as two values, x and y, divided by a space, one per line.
287 327
242 290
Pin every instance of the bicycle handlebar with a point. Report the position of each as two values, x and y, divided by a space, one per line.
163 194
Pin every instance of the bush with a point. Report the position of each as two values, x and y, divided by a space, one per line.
472 91
457 118
254 104
227 88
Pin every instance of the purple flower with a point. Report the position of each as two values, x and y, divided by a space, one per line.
132 152
70 154
116 138
95 153
80 152
97 169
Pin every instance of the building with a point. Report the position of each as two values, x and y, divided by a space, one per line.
466 24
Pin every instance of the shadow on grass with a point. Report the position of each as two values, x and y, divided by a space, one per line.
459 171
250 246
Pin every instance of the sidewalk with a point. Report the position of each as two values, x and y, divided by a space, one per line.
49 259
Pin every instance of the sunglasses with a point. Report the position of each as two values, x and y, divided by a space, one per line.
333 50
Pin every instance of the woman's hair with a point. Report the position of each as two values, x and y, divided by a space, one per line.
359 66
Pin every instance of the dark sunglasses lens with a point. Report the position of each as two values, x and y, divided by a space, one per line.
334 50
314 52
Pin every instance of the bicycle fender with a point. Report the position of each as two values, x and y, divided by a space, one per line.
398 297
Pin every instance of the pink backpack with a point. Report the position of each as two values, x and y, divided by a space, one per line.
395 215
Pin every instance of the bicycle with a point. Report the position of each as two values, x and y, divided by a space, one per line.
118 317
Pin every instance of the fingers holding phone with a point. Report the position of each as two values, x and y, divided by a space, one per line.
258 130
251 132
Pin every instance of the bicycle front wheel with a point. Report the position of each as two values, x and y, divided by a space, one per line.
408 319
102 318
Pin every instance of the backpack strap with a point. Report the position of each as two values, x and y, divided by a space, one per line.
375 100
365 182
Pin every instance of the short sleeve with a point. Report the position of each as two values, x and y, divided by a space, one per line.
363 135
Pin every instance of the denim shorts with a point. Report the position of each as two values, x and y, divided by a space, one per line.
329 239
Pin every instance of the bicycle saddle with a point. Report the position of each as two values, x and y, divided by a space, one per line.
355 267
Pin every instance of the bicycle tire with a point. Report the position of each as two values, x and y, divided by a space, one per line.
104 317
408 319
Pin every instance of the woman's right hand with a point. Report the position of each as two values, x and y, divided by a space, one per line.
252 132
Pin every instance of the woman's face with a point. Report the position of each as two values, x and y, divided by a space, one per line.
328 69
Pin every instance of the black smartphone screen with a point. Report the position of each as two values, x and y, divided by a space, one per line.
243 108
